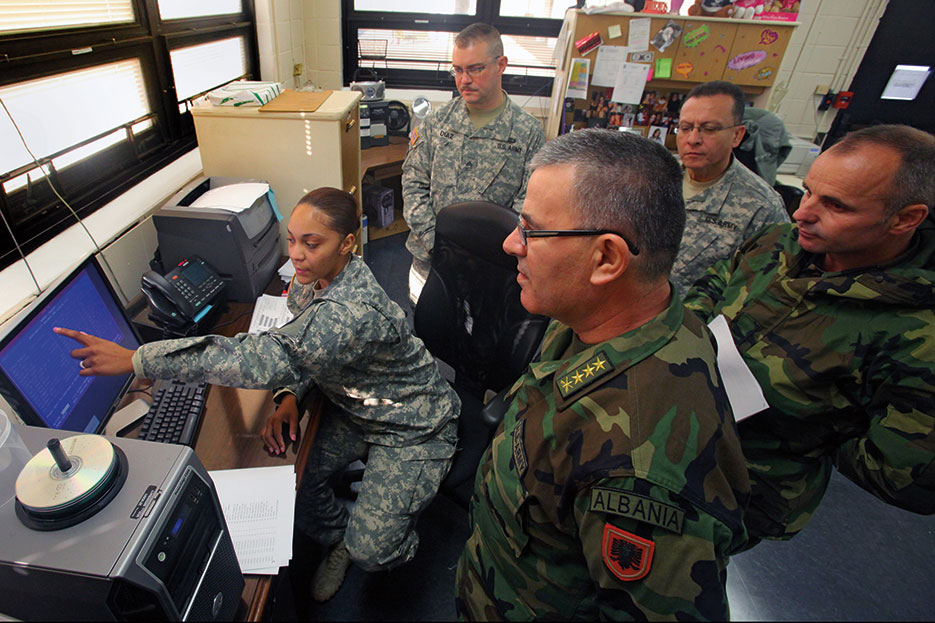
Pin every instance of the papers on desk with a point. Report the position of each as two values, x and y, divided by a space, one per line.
270 312
259 507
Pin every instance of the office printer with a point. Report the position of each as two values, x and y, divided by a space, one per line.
231 223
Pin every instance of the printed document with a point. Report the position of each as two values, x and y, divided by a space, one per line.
270 312
258 505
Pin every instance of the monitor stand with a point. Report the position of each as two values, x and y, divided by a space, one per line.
125 418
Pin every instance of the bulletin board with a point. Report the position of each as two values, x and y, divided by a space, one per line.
756 54
703 51
745 52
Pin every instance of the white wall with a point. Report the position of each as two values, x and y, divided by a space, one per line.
826 49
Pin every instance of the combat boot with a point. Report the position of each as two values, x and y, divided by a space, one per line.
330 573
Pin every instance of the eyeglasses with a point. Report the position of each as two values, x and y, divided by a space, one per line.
707 129
473 71
554 233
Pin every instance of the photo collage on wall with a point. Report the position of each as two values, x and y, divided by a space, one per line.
655 117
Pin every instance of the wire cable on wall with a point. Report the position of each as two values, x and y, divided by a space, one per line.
57 194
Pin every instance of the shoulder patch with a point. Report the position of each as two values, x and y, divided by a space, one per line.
413 136
519 448
640 508
629 557
584 375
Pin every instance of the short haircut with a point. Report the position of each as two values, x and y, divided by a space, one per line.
479 31
720 87
914 181
628 184
339 206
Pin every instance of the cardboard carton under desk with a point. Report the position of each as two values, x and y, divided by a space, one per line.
396 227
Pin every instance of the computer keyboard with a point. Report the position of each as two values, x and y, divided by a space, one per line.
176 413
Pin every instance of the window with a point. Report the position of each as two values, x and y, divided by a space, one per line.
95 97
408 43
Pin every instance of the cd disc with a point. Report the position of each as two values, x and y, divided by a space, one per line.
43 488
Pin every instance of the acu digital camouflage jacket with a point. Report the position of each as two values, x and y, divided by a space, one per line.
615 486
352 342
720 218
846 361
449 161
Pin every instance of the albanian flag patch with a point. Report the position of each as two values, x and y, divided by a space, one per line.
626 555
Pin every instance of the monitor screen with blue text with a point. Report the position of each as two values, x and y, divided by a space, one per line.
38 376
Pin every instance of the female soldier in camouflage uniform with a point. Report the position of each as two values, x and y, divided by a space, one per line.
388 400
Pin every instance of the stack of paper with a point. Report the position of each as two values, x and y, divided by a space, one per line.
270 312
258 505
286 271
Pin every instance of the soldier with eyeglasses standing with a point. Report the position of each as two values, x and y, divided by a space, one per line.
615 485
725 202
474 147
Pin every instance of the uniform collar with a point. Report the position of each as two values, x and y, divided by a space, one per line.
621 352
712 198
499 129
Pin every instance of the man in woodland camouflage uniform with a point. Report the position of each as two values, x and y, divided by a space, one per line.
475 147
615 486
834 317
725 202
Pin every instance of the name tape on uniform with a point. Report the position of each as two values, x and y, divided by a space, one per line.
634 506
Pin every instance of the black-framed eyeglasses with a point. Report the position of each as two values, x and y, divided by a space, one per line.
473 71
707 129
554 233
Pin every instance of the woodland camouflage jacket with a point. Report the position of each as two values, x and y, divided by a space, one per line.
846 361
615 487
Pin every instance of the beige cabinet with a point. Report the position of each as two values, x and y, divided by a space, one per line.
296 152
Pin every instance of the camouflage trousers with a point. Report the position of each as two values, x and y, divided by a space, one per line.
397 485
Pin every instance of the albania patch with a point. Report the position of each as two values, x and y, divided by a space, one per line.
626 555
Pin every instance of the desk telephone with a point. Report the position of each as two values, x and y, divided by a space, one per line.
184 296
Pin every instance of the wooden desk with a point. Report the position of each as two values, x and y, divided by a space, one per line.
230 437
381 163
386 160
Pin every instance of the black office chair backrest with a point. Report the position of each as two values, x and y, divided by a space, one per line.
469 313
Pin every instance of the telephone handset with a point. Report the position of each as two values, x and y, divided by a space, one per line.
184 295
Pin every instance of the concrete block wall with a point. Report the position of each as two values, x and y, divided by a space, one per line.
826 49
282 40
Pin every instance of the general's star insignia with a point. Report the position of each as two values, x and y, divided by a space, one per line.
584 375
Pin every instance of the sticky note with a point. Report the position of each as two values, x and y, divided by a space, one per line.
663 68
613 31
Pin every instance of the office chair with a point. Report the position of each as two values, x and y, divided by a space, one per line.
470 317
791 196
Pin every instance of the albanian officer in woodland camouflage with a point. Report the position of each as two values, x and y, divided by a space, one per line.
835 317
615 486
388 400
475 147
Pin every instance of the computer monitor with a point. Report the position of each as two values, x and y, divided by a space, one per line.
39 378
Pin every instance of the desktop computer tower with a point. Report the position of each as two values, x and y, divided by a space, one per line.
159 550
